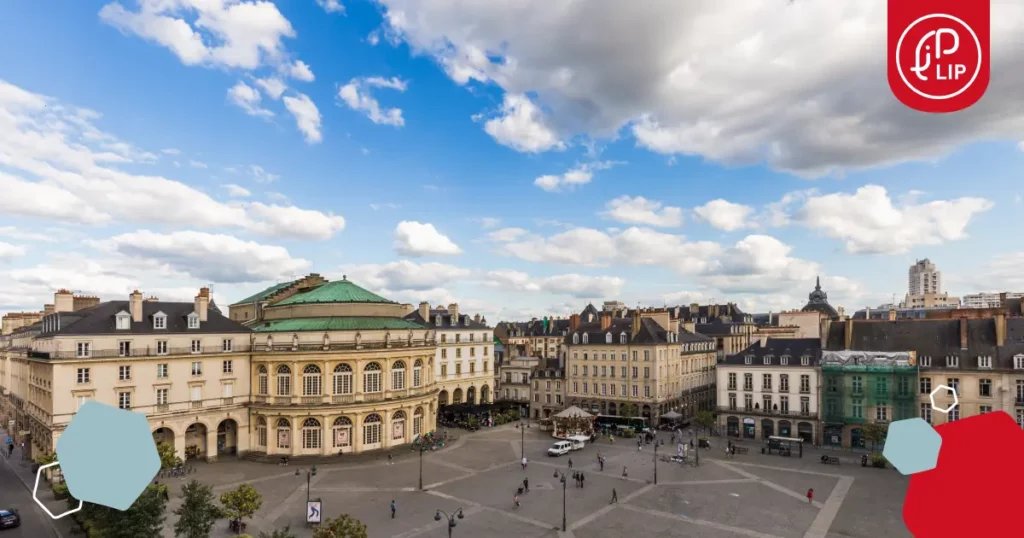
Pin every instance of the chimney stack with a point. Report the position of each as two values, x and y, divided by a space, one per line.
574 322
63 301
606 321
635 329
203 304
47 309
135 306
425 311
476 318
963 333
1001 329
848 334
453 309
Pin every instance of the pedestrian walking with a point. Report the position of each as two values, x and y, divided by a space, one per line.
601 461
624 475
526 484
582 479
10 449
570 463
615 497
394 508
524 463
576 478
515 499
810 495
391 459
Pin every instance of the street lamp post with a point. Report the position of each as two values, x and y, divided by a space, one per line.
522 440
562 478
655 462
451 519
309 475
421 466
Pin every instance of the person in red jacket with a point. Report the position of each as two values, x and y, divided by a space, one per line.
810 495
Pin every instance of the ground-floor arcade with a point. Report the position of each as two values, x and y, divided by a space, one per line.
759 428
473 392
207 436
649 410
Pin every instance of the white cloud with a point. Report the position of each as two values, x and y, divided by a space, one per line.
373 38
248 99
506 235
422 239
262 176
522 127
575 285
197 164
1001 273
9 252
786 83
404 275
300 71
868 222
243 34
725 215
307 116
47 235
580 174
640 210
277 197
357 95
236 191
331 6
487 222
66 176
388 205
170 151
272 86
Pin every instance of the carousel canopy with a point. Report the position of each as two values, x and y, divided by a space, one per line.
672 415
573 411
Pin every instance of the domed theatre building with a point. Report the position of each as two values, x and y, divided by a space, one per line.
336 369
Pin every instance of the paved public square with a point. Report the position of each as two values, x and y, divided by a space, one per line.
748 495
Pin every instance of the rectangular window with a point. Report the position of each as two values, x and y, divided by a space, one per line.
985 387
124 373
83 375
805 384
732 401
748 401
647 391
458 352
647 372
857 408
444 353
161 347
124 349
1020 417
805 405
784 404
623 387
227 367
197 346
159 322
984 362
81 401
161 396
124 400
635 391
985 409
954 386
748 381
857 384
732 381
766 403
926 385
83 350
783 382
196 394
193 322
575 387
953 415
444 372
881 412
926 412
472 352
161 371
197 368
766 382
398 379
225 344
952 361
586 388
1018 362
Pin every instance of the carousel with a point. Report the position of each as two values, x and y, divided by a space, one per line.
571 422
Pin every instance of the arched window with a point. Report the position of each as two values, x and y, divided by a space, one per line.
311 434
608 338
622 338
586 338
311 380
398 425
262 384
372 377
284 438
417 421
417 373
398 375
261 431
284 381
372 425
342 379
342 432
575 338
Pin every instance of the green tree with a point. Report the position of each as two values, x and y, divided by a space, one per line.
46 459
628 410
241 503
145 517
875 433
705 420
279 533
197 513
343 526
167 457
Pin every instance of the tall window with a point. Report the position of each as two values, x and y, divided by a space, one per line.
161 370
857 383
417 373
372 425
83 375
83 350
262 380
398 375
284 433
261 432
342 379
926 412
284 381
311 434
417 421
926 385
342 432
783 382
311 380
124 373
371 378
732 381
805 383
398 425
124 400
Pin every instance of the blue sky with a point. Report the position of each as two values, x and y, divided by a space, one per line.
426 150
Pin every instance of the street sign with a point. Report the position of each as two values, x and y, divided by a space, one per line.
313 512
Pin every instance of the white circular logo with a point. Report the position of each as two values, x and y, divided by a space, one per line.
899 47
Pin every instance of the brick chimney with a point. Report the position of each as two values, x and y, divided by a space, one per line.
1000 320
63 301
425 311
606 321
635 329
203 304
135 306
85 301
453 309
574 322
47 309
963 333
848 334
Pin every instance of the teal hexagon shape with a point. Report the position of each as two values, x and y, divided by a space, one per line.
912 446
107 455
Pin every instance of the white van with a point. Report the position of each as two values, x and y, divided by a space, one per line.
578 442
560 448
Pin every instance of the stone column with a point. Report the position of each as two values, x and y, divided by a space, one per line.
211 445
357 433
326 436
179 445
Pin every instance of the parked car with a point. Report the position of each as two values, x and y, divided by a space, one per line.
560 448
9 518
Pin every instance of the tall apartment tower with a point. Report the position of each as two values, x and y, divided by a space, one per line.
924 279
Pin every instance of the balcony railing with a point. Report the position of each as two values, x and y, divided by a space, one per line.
341 346
198 404
328 399
227 400
163 408
136 352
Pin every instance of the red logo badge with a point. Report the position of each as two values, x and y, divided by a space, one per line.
939 53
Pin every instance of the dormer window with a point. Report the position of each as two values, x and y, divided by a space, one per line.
805 360
437 320
749 359
124 320
608 338
1018 362
926 362
575 338
984 362
784 360
586 338
160 320
622 338
767 359
952 361
466 322
193 321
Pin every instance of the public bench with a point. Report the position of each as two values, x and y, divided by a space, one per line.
739 449
829 460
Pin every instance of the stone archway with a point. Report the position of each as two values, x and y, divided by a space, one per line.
485 394
227 437
195 440
767 428
163 434
471 395
612 409
442 398
457 396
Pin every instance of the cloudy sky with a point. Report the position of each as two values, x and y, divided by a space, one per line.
518 158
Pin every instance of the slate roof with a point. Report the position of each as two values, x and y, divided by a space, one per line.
588 311
262 295
337 291
336 324
100 319
717 327
817 301
687 337
775 349
650 332
729 311
448 321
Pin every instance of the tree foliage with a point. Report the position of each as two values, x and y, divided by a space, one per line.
46 458
628 410
145 517
343 526
197 513
704 419
241 503
278 533
167 457
875 433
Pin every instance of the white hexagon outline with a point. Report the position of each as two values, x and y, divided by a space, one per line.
40 503
931 398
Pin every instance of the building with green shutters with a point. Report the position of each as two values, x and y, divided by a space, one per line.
864 387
